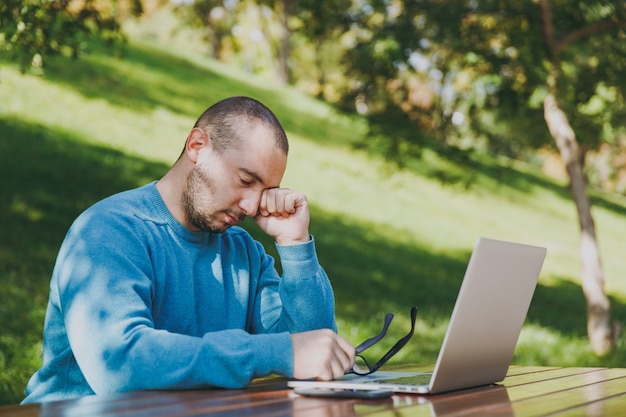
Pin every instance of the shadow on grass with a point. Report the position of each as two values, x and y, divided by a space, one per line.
562 307
371 274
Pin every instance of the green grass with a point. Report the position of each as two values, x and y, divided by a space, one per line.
389 239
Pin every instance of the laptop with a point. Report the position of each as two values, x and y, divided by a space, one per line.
485 325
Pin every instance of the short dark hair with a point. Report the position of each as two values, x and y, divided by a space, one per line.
227 120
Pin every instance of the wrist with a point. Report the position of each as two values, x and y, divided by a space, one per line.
293 241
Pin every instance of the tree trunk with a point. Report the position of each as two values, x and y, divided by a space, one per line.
601 335
321 72
599 330
212 37
284 49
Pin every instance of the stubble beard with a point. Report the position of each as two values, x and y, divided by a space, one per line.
191 201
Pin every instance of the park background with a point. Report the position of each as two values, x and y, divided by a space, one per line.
394 228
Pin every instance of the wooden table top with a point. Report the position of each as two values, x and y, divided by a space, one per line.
526 391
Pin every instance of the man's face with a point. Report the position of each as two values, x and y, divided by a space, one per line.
222 189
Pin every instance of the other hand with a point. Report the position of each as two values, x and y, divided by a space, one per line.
321 354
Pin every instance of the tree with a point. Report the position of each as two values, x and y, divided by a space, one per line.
321 22
214 17
31 30
506 65
279 21
284 11
606 21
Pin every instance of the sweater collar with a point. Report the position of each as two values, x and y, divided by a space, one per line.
165 216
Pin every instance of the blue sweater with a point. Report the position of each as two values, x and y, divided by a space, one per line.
137 301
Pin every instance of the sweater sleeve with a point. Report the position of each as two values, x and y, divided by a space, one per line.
305 291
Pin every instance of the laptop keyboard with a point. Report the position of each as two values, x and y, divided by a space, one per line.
419 379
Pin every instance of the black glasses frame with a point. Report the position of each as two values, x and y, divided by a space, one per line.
373 340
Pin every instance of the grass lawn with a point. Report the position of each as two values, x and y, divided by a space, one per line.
389 239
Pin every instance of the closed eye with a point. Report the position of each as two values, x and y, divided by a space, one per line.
248 177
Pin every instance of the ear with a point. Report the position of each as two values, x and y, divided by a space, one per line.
196 141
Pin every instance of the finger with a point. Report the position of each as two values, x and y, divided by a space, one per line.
338 369
291 200
297 200
301 201
326 373
268 202
346 361
263 204
279 201
348 352
346 347
342 355
271 202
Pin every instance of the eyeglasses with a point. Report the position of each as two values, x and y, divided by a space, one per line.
356 369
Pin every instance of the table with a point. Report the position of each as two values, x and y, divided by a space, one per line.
526 391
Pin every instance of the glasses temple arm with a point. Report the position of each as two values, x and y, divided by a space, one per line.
400 343
369 342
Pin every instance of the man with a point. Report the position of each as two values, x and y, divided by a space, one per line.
154 288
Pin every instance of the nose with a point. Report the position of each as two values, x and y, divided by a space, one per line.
249 204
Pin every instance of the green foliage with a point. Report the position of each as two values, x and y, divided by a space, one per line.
213 18
320 20
32 30
486 60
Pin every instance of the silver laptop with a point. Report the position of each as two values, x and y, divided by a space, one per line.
487 319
